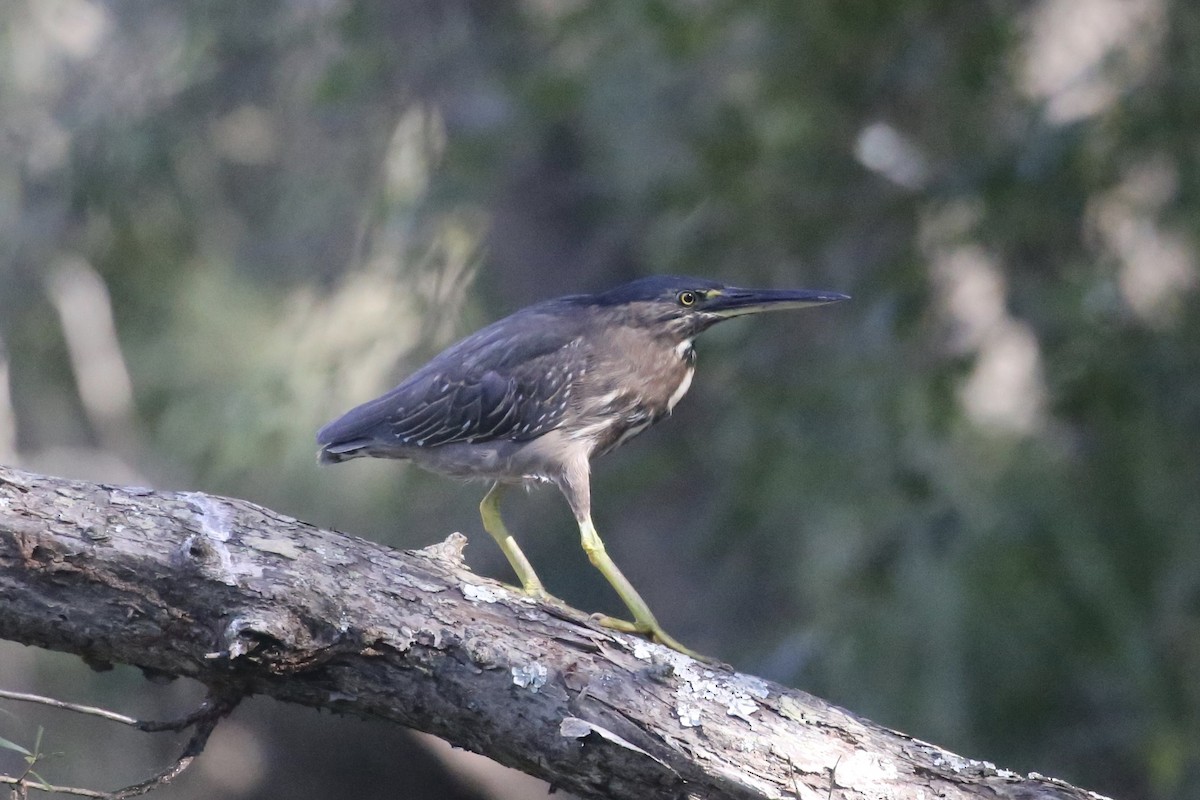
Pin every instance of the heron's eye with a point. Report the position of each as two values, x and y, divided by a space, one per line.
687 298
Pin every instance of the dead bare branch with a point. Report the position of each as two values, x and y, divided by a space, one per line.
237 596
205 718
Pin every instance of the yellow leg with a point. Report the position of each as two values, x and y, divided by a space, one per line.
643 620
489 510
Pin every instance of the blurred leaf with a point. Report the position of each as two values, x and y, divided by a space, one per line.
7 745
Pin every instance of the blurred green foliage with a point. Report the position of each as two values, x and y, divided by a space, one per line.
965 505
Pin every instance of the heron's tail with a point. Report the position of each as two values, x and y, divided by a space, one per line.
337 452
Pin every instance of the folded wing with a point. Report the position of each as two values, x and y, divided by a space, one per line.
521 393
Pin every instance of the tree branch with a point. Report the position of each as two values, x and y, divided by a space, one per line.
204 719
247 600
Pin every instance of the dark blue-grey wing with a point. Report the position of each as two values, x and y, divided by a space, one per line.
488 387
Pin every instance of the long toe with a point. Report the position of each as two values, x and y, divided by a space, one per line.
662 637
652 631
618 624
538 593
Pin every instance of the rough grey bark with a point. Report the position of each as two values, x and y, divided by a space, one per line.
235 595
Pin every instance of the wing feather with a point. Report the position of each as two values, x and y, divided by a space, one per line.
511 380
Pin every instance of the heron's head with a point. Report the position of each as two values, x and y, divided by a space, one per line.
681 307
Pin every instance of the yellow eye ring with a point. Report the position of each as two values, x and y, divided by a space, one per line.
687 298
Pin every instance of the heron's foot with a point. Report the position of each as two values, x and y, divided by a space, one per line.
651 629
515 589
616 623
536 592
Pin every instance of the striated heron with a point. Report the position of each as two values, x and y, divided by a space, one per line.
537 395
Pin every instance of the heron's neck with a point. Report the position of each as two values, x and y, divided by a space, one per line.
687 354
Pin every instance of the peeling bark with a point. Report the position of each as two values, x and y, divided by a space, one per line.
233 594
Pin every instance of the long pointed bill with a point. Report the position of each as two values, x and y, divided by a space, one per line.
736 302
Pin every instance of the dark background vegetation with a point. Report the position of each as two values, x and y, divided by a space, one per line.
966 505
